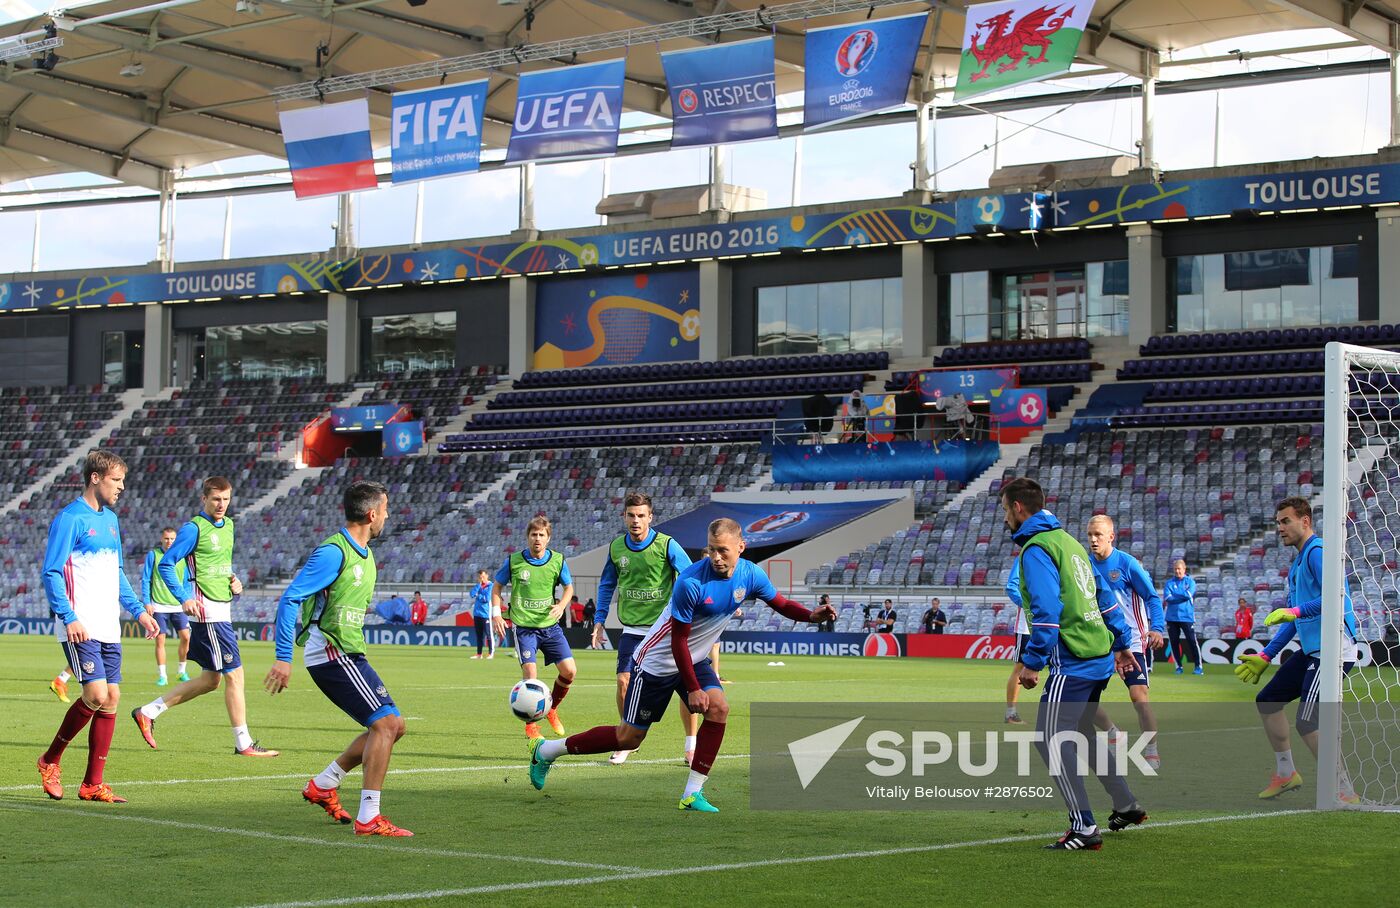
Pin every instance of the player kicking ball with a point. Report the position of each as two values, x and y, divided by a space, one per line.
1297 679
205 544
533 576
325 607
673 658
86 590
641 569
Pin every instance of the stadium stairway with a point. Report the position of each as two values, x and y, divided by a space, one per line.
130 400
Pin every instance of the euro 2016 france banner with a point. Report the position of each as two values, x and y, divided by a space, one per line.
573 112
721 94
857 70
436 132
1009 43
328 148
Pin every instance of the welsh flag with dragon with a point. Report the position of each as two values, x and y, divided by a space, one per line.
1008 43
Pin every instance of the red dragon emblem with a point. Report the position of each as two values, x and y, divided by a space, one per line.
1006 40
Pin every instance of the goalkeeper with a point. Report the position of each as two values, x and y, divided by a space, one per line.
1298 678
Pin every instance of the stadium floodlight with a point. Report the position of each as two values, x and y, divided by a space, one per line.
14 49
1359 711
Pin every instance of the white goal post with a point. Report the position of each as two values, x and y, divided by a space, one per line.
1359 712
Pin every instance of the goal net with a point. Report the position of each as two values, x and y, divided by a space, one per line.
1359 715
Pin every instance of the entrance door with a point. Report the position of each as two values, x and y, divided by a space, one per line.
1043 304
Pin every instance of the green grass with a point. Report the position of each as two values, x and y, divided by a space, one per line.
236 832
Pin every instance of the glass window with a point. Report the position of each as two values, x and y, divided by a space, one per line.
282 350
968 304
1106 298
113 358
772 321
1266 288
834 313
830 317
893 291
424 341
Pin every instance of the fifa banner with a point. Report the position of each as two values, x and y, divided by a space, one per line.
573 112
857 70
328 148
721 94
976 385
769 523
1018 41
1017 407
436 132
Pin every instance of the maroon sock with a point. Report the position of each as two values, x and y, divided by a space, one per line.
707 743
73 721
600 740
99 742
561 690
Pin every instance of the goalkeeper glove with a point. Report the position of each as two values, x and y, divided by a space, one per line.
1252 668
1280 615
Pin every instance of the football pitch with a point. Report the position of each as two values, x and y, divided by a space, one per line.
207 828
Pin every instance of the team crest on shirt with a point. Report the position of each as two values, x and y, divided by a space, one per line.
525 575
89 667
214 542
623 562
1083 576
1114 574
739 594
359 572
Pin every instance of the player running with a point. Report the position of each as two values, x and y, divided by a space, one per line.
84 584
205 544
324 607
162 605
1073 631
642 567
705 596
1127 581
1297 678
532 576
482 622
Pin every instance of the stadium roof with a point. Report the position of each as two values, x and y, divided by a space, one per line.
202 76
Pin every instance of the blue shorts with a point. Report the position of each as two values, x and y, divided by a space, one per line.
626 647
351 683
1138 678
94 661
1296 679
647 695
214 647
171 623
547 641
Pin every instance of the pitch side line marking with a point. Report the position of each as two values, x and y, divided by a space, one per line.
746 865
326 843
573 764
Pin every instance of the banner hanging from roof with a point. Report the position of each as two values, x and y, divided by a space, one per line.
436 132
1018 41
721 94
856 70
328 148
769 523
566 113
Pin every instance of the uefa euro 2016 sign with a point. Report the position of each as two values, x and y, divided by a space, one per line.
858 70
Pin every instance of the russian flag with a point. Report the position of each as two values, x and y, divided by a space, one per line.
328 148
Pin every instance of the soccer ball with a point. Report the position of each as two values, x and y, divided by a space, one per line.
989 209
529 700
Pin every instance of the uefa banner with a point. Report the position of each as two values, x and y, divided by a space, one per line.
857 70
436 132
566 113
721 94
